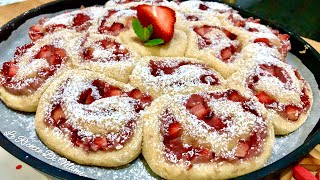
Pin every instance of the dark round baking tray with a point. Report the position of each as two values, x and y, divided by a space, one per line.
311 59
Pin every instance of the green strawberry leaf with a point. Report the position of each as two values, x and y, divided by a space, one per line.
154 42
143 33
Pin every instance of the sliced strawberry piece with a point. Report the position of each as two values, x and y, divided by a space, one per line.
200 110
174 130
292 112
86 97
200 155
263 40
194 100
215 121
20 50
203 30
88 53
209 79
251 19
113 91
269 68
54 27
9 69
235 96
45 52
57 113
242 149
264 98
283 37
203 7
80 19
110 13
162 19
114 29
136 93
226 53
36 32
253 30
276 71
146 100
101 86
229 34
101 142
53 55
61 52
236 22
108 43
192 18
300 173
154 66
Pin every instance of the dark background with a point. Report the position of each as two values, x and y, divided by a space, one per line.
299 16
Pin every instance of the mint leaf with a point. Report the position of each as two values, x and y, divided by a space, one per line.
143 33
154 42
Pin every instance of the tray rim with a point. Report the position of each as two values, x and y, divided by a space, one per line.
6 30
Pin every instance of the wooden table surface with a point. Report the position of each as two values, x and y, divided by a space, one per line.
11 11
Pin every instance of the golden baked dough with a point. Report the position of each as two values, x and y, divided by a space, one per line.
182 141
164 75
91 119
176 47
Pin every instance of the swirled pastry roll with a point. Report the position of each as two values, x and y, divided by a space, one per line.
210 135
216 45
91 119
251 31
285 94
82 20
35 65
160 75
107 55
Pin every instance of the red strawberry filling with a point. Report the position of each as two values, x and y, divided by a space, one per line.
119 52
145 1
20 50
291 112
203 7
80 19
265 41
114 29
105 142
176 149
158 67
204 41
192 18
54 56
237 21
197 105
36 32
284 40
52 28
81 22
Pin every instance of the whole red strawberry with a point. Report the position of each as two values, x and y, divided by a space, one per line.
162 19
